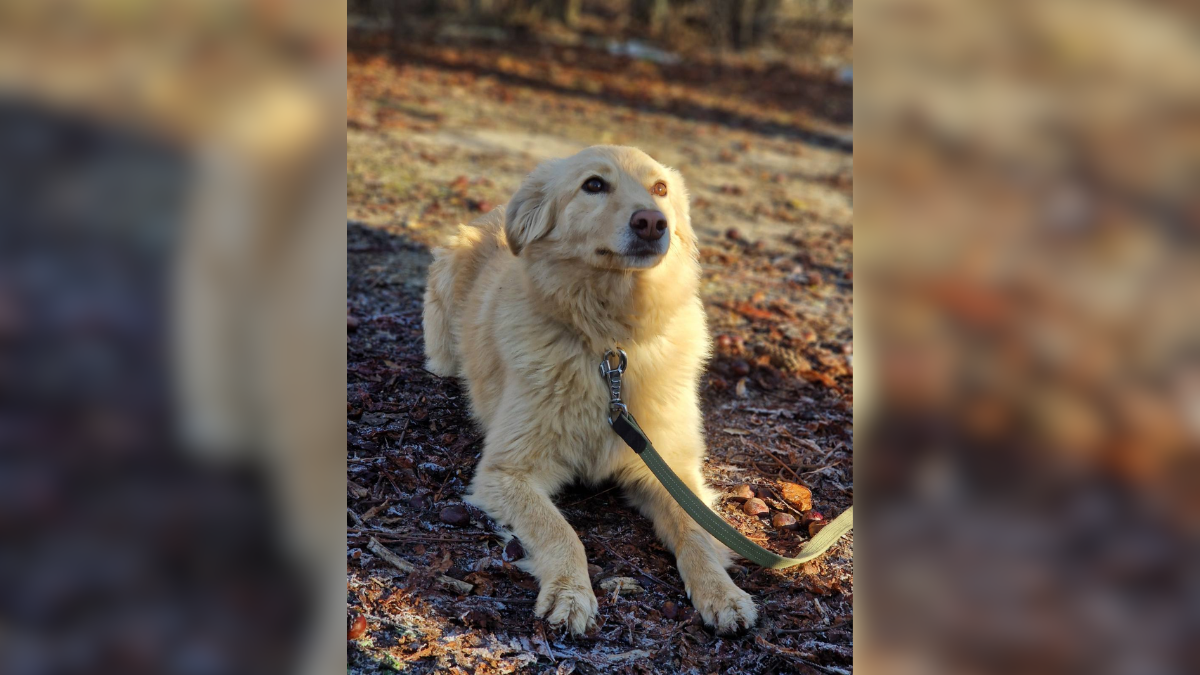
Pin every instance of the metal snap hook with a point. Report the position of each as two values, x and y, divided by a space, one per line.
605 365
612 375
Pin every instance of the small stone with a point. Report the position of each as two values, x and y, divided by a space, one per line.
351 322
742 492
739 368
814 279
783 521
455 515
670 610
420 502
621 585
594 571
358 628
733 234
513 551
740 389
796 495
755 507
724 342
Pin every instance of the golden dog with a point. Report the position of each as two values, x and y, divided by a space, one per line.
594 251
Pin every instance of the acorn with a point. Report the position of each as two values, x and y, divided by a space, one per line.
455 515
755 507
783 521
815 522
742 493
358 628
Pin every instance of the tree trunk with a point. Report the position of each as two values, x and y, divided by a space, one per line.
745 34
570 12
659 11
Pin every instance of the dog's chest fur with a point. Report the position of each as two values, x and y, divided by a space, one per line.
573 395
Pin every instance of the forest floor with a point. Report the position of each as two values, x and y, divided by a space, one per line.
438 136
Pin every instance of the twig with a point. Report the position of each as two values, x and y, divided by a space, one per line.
822 469
589 497
799 656
542 633
778 461
388 474
404 430
404 566
403 536
374 510
649 576
815 629
513 601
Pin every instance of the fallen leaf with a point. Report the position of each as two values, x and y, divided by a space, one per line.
622 586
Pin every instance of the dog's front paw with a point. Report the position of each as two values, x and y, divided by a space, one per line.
724 606
568 601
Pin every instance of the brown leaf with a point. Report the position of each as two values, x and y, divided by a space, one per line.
513 551
670 610
796 495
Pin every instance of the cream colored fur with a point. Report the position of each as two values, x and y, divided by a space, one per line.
521 305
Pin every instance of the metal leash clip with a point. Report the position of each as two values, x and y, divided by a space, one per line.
613 375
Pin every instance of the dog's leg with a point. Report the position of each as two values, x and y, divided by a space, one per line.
554 554
440 350
701 559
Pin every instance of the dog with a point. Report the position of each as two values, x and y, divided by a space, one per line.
593 252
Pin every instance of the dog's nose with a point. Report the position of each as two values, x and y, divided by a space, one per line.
648 224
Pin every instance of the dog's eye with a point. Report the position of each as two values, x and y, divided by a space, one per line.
660 189
594 184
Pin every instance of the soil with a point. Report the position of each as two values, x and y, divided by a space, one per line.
436 141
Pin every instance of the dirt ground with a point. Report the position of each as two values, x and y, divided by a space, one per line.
436 140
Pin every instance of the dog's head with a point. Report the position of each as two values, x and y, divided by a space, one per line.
608 206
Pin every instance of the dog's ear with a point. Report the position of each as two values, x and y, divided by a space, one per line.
680 202
530 213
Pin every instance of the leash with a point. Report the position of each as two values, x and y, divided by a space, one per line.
629 431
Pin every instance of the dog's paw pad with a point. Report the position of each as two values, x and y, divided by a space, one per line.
567 603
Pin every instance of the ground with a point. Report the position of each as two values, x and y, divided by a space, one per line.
439 137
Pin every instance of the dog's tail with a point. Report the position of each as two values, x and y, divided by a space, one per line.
453 272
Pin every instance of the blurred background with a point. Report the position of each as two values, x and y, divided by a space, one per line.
784 28
1026 229
1028 324
171 340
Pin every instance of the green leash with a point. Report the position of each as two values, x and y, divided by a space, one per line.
629 431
